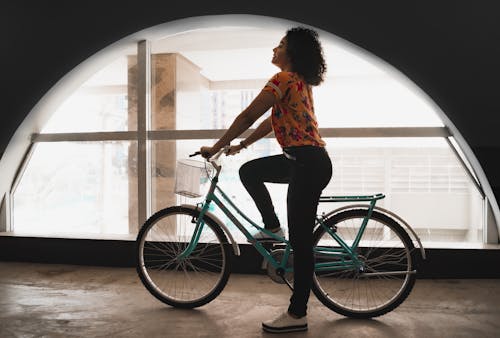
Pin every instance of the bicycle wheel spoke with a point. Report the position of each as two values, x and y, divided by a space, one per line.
384 274
186 280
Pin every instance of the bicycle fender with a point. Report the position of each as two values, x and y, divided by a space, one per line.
413 235
236 247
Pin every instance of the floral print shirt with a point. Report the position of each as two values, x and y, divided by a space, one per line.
293 119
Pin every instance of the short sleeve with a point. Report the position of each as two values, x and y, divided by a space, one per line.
278 84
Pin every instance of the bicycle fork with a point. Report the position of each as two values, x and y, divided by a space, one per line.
196 233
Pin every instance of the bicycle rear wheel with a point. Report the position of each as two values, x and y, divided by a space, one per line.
386 273
184 282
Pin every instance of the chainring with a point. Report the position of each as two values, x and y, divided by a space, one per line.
278 254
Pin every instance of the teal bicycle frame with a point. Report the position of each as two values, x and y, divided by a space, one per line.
346 256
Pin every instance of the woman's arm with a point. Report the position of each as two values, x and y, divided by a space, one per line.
243 121
262 130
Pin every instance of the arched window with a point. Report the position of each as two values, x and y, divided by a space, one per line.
106 158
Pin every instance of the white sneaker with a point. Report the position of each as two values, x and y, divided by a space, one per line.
261 236
285 323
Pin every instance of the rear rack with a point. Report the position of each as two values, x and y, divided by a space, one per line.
353 198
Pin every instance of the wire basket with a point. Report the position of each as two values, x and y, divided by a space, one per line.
192 177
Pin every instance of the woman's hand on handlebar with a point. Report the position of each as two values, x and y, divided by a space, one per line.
233 150
207 152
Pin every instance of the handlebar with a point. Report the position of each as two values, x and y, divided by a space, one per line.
224 149
212 160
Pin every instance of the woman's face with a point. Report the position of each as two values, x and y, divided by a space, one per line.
280 58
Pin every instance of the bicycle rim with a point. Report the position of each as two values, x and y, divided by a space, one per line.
182 282
385 275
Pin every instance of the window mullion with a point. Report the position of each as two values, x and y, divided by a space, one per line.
143 114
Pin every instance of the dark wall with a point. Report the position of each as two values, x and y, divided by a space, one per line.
451 49
440 263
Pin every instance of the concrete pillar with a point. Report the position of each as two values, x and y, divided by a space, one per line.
177 95
163 117
163 155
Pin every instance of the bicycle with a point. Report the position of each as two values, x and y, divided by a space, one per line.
365 261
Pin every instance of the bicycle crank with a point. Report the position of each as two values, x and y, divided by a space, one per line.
279 275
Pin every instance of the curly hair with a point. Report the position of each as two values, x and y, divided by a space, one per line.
306 54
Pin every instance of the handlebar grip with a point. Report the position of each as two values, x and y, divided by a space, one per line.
215 156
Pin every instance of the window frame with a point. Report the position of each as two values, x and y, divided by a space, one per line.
143 135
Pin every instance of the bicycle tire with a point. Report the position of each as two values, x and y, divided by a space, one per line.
388 258
184 283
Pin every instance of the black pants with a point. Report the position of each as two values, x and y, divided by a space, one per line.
307 170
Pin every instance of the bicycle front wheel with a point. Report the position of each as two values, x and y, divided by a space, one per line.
165 270
380 279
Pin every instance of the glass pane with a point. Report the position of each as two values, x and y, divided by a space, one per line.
227 104
202 79
380 100
105 102
422 179
163 184
76 188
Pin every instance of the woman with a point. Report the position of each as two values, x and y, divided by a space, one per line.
304 164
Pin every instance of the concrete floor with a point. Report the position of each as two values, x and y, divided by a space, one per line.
44 300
